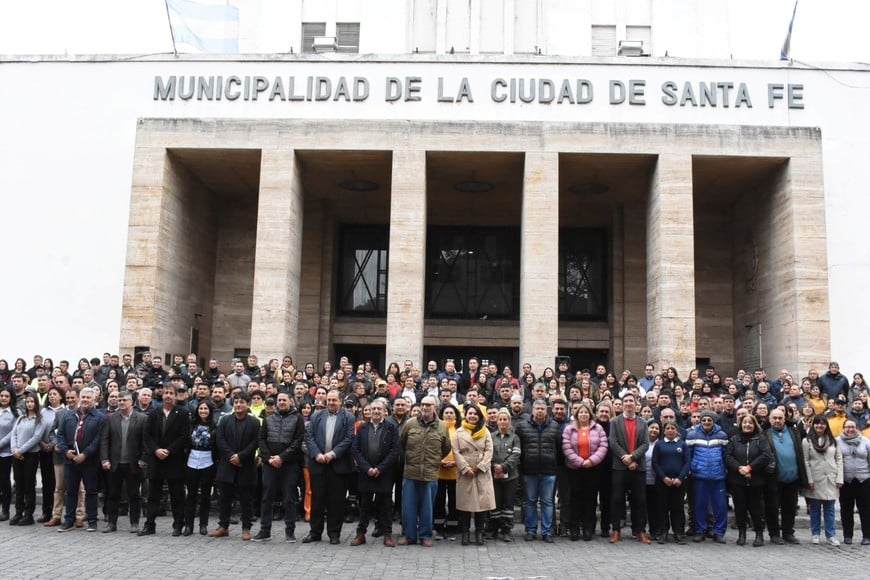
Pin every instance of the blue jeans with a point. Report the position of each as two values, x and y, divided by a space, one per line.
539 488
709 492
817 507
418 500
283 481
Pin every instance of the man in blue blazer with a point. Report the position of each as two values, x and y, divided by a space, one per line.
329 441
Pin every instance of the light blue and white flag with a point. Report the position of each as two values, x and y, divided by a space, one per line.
785 52
205 25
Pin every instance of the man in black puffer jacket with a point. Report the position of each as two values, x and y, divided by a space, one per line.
281 437
540 438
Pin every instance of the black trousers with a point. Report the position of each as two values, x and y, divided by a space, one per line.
623 481
855 492
122 475
605 491
24 471
46 471
670 505
748 499
465 521
5 483
585 484
501 519
282 482
653 511
229 492
198 483
563 489
328 492
379 505
444 512
780 505
176 498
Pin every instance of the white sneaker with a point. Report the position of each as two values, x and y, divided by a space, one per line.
815 540
834 541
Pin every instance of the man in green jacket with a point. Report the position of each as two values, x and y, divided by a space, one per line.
424 442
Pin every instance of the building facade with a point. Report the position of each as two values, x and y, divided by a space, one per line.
496 181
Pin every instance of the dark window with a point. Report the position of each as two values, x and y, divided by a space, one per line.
309 31
473 273
582 274
362 263
347 36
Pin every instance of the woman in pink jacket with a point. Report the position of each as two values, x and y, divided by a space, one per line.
584 444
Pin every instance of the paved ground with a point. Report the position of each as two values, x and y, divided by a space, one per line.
37 552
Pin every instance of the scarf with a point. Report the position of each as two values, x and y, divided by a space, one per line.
476 431
853 441
820 444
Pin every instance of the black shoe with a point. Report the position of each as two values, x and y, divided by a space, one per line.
309 538
506 537
479 538
147 531
574 535
43 518
92 527
587 536
65 528
176 532
466 539
790 539
110 527
377 533
698 538
203 530
15 519
4 515
680 540
604 534
187 531
530 537
663 539
262 536
741 538
758 541
548 539
717 539
334 541
289 537
847 541
777 540
26 521
865 541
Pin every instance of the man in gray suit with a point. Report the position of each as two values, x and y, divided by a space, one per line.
629 441
121 456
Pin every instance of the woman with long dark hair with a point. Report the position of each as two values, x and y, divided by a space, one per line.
472 450
824 464
200 469
746 458
24 444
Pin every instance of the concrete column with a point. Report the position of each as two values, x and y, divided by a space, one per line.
143 248
406 289
278 262
670 265
539 261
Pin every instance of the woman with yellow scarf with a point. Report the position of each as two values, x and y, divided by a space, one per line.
472 450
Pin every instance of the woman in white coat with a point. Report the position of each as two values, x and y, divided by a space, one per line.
472 451
824 464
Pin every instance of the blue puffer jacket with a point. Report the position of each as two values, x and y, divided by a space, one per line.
708 452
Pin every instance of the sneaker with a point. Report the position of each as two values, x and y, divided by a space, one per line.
92 527
290 537
262 537
833 541
815 540
65 528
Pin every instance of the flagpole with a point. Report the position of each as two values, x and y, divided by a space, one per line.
172 34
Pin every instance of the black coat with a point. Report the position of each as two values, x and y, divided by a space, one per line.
237 437
388 436
174 437
539 447
753 451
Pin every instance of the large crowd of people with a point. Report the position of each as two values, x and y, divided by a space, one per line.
446 453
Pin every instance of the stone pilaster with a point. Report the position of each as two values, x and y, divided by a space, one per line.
406 291
278 262
539 261
670 275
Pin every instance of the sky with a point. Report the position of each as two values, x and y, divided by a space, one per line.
825 30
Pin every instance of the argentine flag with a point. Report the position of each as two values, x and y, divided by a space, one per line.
205 25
